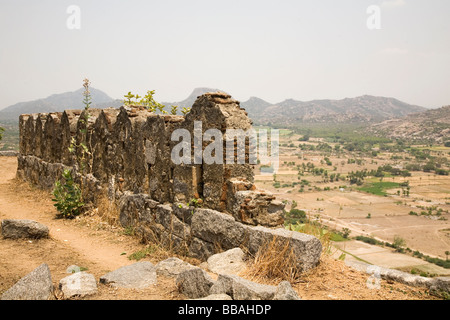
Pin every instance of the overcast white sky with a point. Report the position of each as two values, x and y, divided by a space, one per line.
275 50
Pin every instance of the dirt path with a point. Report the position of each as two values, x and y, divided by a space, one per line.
90 243
72 242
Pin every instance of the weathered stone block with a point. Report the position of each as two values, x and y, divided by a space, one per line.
139 275
194 283
305 247
79 284
217 227
242 289
172 267
228 262
200 249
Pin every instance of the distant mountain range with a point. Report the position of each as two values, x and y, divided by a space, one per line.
57 103
289 112
349 110
431 125
286 113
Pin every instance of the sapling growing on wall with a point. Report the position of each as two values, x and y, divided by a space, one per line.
146 101
69 195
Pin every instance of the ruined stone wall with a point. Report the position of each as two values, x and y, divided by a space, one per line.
130 163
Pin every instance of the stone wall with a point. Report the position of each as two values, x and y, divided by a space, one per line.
130 163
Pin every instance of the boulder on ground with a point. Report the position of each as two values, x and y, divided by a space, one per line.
16 229
37 285
78 284
172 267
242 289
228 262
285 292
194 283
139 275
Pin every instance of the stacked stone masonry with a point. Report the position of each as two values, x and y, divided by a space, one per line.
129 162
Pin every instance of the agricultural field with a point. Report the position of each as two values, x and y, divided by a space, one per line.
373 188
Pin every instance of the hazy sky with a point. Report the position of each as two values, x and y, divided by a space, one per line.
275 50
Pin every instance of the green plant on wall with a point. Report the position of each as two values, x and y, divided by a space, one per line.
174 110
68 196
148 101
82 146
185 111
129 96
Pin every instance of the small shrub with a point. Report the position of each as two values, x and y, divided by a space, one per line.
399 243
367 240
68 197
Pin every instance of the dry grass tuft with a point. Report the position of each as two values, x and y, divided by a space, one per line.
107 211
161 247
274 262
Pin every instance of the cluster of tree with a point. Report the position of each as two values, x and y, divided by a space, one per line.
322 146
357 177
392 170
430 166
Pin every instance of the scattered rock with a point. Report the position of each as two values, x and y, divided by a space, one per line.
37 285
194 283
220 296
391 274
242 289
16 229
139 275
172 267
73 269
285 292
228 262
78 284
405 278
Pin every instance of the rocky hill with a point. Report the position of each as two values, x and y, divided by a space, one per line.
286 113
431 125
189 101
58 102
349 110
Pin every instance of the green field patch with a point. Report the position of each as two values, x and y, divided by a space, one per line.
378 188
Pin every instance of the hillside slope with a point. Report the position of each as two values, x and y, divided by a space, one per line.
431 125
354 110
57 102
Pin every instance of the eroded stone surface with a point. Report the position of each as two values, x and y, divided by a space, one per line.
16 229
139 275
37 285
